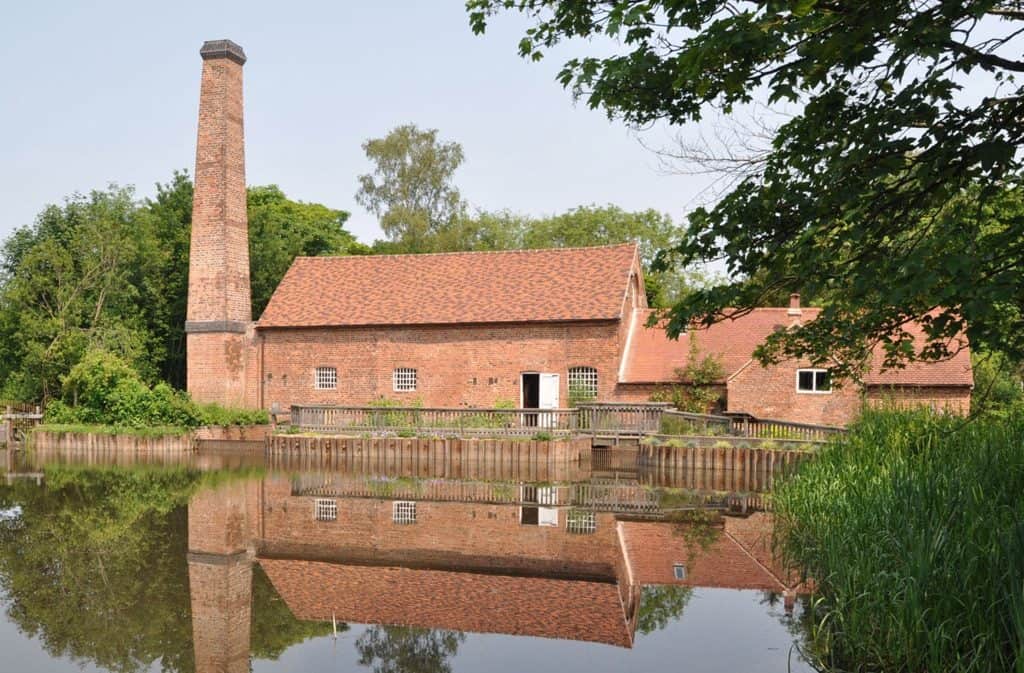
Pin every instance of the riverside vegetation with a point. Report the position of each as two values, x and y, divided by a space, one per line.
912 530
102 393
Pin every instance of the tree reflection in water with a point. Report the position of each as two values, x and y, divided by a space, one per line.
401 649
93 565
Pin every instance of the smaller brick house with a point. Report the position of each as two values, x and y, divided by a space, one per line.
791 390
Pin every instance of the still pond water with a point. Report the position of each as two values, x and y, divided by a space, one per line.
223 563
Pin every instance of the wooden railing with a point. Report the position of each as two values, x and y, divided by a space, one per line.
685 423
594 419
463 421
612 418
767 428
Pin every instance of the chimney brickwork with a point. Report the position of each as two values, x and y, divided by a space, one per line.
219 304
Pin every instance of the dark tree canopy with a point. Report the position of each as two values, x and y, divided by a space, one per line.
893 190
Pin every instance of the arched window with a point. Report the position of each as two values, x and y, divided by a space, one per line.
582 384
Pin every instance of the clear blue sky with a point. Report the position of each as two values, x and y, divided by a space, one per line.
104 92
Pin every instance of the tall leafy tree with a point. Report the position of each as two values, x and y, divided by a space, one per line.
411 189
281 229
73 280
893 189
107 271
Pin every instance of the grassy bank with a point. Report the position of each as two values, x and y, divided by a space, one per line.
912 527
91 429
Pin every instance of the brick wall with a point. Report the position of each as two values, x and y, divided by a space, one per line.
771 393
444 533
473 365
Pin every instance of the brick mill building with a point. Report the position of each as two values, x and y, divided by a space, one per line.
529 328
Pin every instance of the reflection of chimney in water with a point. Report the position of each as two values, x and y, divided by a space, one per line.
221 523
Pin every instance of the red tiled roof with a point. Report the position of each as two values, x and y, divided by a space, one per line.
449 288
654 358
954 371
655 547
441 599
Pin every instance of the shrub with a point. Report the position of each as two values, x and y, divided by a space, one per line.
542 436
912 527
103 390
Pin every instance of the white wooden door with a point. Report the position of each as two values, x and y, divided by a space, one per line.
548 399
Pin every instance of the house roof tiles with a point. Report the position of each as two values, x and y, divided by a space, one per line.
654 358
566 284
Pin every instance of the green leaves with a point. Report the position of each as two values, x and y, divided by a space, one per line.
891 164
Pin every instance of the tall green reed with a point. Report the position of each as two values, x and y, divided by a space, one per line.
912 528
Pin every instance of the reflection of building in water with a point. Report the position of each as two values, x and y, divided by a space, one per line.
511 559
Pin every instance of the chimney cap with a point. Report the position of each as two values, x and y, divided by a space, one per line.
223 49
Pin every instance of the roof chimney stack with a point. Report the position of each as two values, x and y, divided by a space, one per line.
794 305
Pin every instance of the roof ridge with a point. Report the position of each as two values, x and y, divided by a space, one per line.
633 245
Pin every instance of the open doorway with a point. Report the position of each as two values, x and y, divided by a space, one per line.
531 397
531 391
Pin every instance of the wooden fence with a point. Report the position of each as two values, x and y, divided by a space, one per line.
742 425
590 419
615 419
462 421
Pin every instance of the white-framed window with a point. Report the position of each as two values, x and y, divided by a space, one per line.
582 383
325 378
679 571
403 380
581 522
813 381
403 511
325 510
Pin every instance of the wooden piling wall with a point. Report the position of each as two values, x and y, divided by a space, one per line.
717 468
85 442
450 458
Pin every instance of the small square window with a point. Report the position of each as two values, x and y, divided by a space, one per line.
581 522
404 380
326 378
325 510
403 512
813 381
679 571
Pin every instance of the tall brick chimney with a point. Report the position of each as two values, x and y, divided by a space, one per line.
219 307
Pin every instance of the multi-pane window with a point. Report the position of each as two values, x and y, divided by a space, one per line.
325 510
403 512
582 384
325 378
581 521
404 380
813 381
